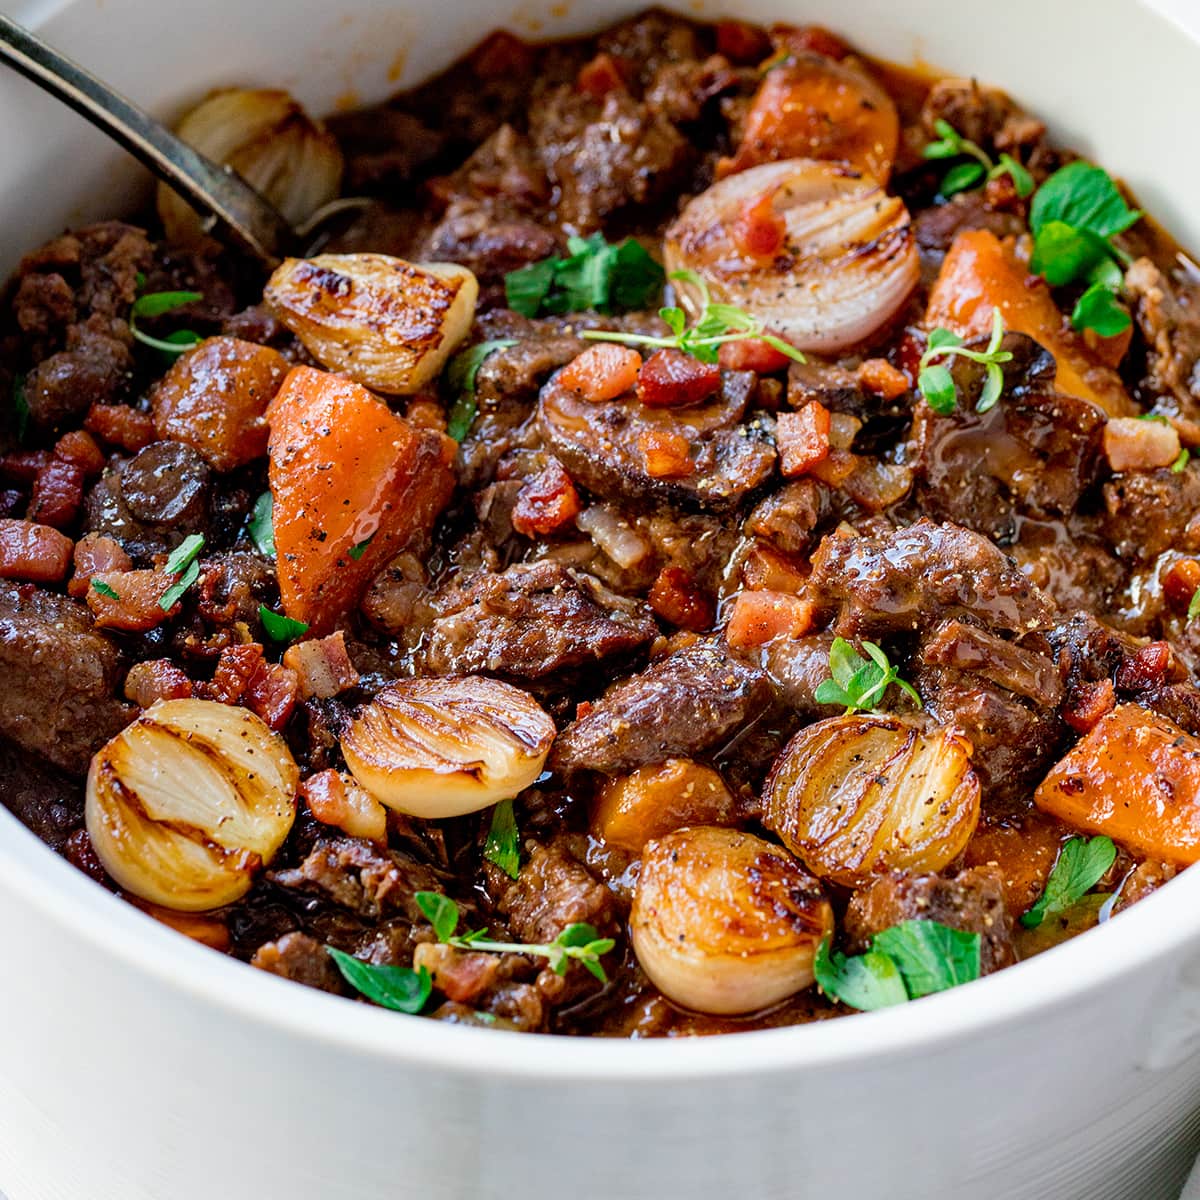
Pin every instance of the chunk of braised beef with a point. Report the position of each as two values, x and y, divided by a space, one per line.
604 445
1147 512
233 585
1071 565
302 959
972 901
907 579
554 890
697 698
384 147
533 620
359 876
93 369
167 486
58 678
797 667
1030 673
985 115
936 227
791 518
1168 315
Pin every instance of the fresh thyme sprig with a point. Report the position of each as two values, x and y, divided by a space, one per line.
936 382
718 324
580 941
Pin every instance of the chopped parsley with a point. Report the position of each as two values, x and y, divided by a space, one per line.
907 961
262 526
503 842
936 382
1081 864
359 549
978 169
1194 606
399 988
718 324
597 276
280 628
860 683
102 589
182 562
460 380
1181 461
579 941
155 304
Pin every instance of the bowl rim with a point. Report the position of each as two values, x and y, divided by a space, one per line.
1096 960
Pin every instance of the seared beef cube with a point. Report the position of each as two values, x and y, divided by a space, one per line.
690 701
58 678
1147 512
554 890
302 959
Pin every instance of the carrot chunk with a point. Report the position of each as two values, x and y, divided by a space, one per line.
1136 778
352 485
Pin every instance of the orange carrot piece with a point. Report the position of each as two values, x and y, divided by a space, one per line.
352 485
979 273
1136 778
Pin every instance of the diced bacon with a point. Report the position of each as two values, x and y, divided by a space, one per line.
235 668
802 439
1088 704
95 553
742 43
154 680
79 447
752 354
665 453
24 465
760 232
243 676
676 598
33 553
338 799
120 425
600 76
765 568
602 372
1145 667
460 975
1131 444
546 502
322 666
760 617
669 378
135 605
879 376
57 493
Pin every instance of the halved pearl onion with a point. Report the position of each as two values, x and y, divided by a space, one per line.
189 801
725 922
856 795
848 262
445 746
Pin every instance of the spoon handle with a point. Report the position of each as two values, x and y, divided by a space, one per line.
215 190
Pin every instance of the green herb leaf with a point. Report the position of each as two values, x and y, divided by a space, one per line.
1099 309
1062 253
399 988
930 956
937 386
155 304
934 378
102 589
360 548
182 562
460 380
1082 863
20 403
860 683
597 275
993 385
503 842
441 912
1086 198
1194 606
1022 180
867 981
961 177
280 628
1181 461
262 525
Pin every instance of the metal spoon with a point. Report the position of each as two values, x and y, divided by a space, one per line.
232 206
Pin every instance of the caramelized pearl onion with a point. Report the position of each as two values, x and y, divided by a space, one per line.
855 795
446 746
189 801
725 922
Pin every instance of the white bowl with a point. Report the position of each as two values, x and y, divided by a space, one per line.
135 1065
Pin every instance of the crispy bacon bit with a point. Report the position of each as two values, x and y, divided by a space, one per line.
600 76
57 493
760 232
120 425
879 376
760 617
338 799
322 666
802 438
24 465
670 378
665 453
96 553
133 604
1131 444
602 372
752 354
33 553
462 976
546 502
742 43
1144 668
235 668
1088 704
243 676
767 569
80 447
156 679
1180 582
676 598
